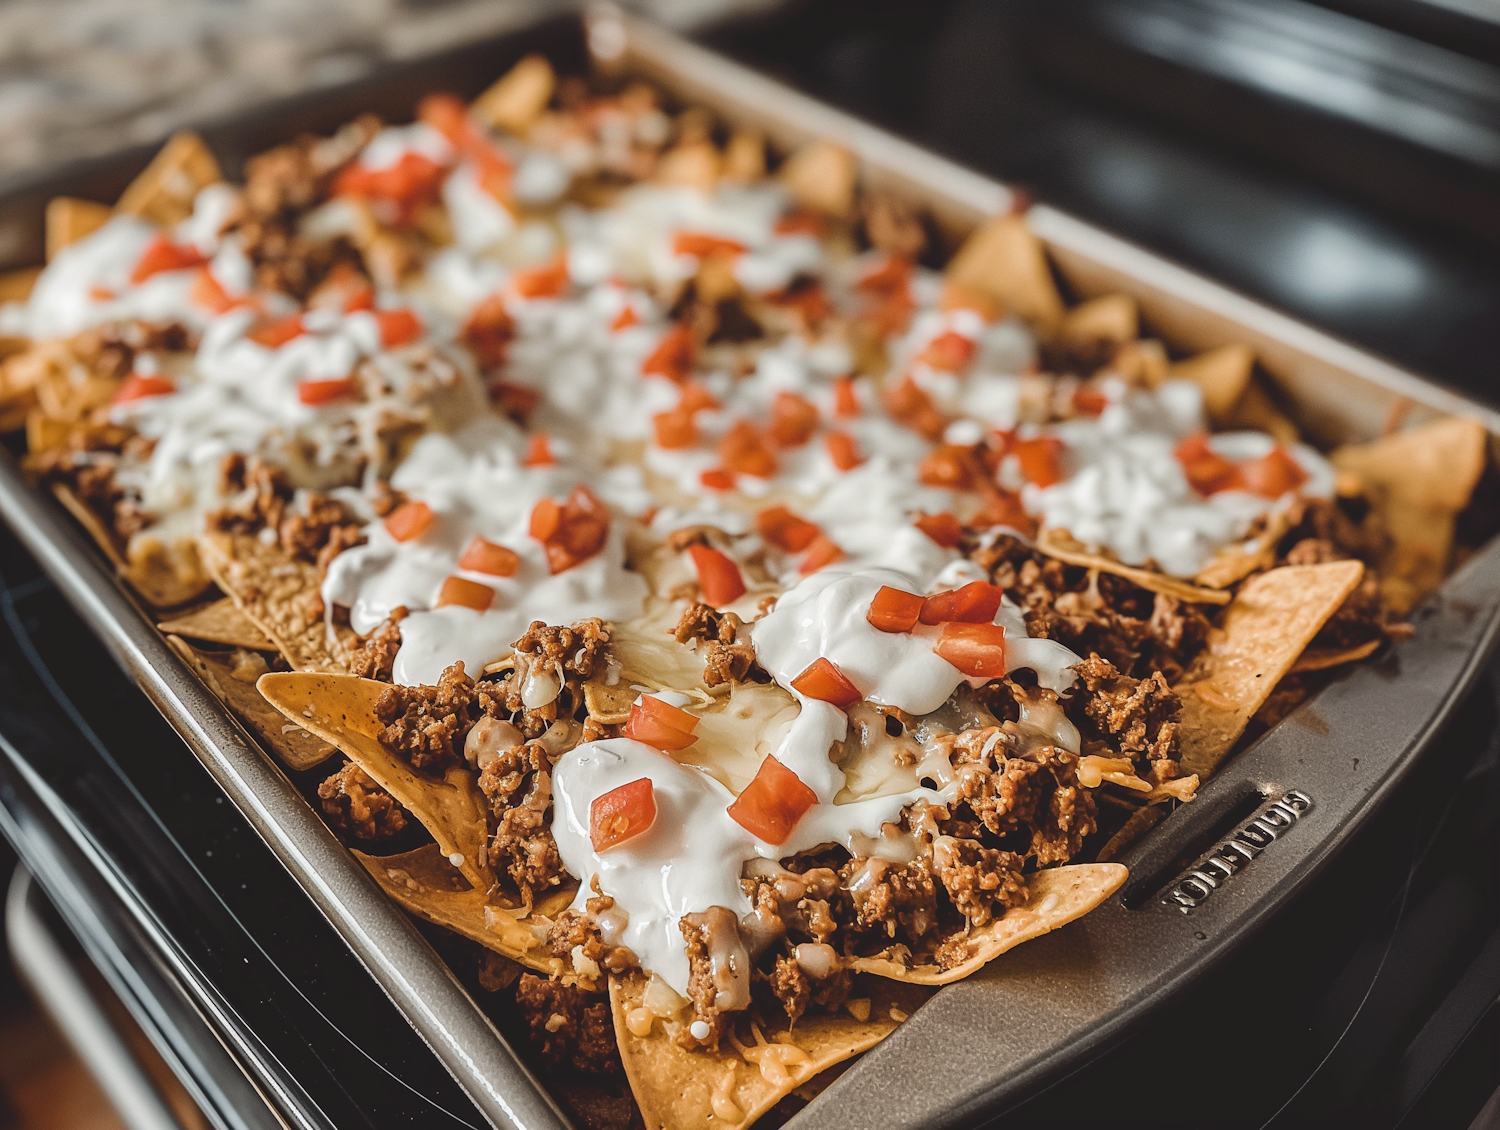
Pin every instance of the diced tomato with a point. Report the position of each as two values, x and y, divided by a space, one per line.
162 254
702 245
785 530
398 327
893 273
909 405
843 450
718 575
317 393
941 527
541 282
975 603
621 814
845 398
793 419
409 521
717 478
772 803
673 356
1089 401
1272 475
696 398
624 320
801 223
1003 508
823 551
744 451
1040 459
513 400
948 352
539 452
492 170
361 298
571 532
489 331
449 115
484 556
208 293
409 185
1207 471
278 331
675 429
948 467
823 680
894 610
137 386
660 724
470 594
978 650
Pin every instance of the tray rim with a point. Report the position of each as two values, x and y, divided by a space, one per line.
375 929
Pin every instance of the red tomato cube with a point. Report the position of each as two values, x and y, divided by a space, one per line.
718 576
483 556
894 610
772 803
823 680
622 814
978 650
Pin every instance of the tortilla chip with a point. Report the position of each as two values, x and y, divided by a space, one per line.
1057 895
694 164
1234 563
1257 412
68 219
1322 658
1066 548
227 677
1004 260
166 574
515 100
165 190
424 883
219 622
15 286
821 177
1221 374
1270 623
1110 318
280 596
1417 482
682 1090
341 709
745 156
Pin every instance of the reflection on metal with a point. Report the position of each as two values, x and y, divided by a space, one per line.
1233 855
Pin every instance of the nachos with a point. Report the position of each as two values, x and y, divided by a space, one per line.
733 613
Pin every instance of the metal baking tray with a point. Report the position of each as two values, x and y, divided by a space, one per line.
1200 882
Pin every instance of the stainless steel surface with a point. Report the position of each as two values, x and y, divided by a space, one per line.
1044 1007
45 968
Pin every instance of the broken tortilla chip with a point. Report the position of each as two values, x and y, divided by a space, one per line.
161 575
232 678
1111 318
1066 548
219 622
1233 563
1265 629
423 882
280 596
517 98
1322 658
1056 896
165 190
1221 374
753 1070
340 709
1006 261
69 219
821 177
1256 411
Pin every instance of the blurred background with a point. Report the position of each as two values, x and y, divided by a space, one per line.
1340 160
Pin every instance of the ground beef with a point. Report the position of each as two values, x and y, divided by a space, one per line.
260 496
578 931
797 906
703 991
319 533
427 725
569 1027
982 882
789 983
1034 798
1136 717
523 846
888 897
376 654
568 654
725 658
358 807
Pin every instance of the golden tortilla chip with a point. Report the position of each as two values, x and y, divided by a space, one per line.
1234 563
424 883
1112 318
747 1076
1066 548
68 219
1222 374
219 622
821 177
1056 896
694 164
1257 412
1322 658
232 677
1268 626
516 99
280 596
165 190
341 709
745 156
164 577
1006 261
15 286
